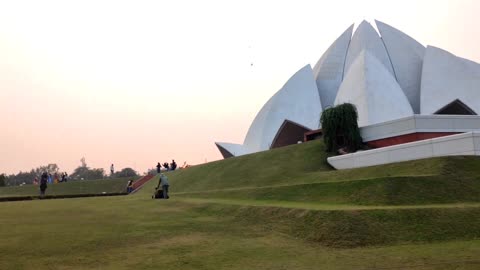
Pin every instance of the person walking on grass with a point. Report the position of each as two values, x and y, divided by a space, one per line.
130 186
43 184
163 182
159 167
112 170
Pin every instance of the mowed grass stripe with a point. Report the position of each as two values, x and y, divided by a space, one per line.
295 184
379 191
321 207
354 226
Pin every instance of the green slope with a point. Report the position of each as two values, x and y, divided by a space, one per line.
299 173
415 190
294 191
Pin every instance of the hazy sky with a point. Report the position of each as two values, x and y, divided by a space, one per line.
136 82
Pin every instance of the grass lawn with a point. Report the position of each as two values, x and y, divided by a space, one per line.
134 232
73 187
281 209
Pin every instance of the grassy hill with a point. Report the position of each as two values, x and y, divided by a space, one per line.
281 209
134 232
70 188
300 173
388 204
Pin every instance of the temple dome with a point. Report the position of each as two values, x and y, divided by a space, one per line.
387 75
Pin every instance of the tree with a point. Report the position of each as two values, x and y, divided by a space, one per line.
125 172
22 177
28 176
86 173
51 168
340 128
3 179
83 172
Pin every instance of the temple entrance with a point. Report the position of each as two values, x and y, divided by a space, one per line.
289 133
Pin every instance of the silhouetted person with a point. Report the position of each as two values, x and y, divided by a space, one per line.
173 165
166 166
159 167
43 184
112 169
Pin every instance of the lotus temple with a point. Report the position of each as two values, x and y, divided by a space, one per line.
413 102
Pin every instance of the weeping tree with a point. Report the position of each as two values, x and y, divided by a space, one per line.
340 128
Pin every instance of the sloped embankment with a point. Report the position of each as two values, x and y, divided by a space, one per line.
293 190
358 228
299 173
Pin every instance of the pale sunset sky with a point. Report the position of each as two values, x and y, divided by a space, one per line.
137 82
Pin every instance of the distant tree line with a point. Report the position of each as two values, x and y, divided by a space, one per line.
82 172
28 176
125 172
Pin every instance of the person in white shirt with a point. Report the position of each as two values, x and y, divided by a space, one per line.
112 169
163 182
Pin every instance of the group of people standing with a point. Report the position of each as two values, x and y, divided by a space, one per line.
163 180
47 178
168 167
52 179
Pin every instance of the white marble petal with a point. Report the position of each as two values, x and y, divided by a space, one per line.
328 71
445 78
232 149
297 101
366 38
387 78
406 55
374 91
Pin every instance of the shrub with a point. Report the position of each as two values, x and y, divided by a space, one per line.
340 128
